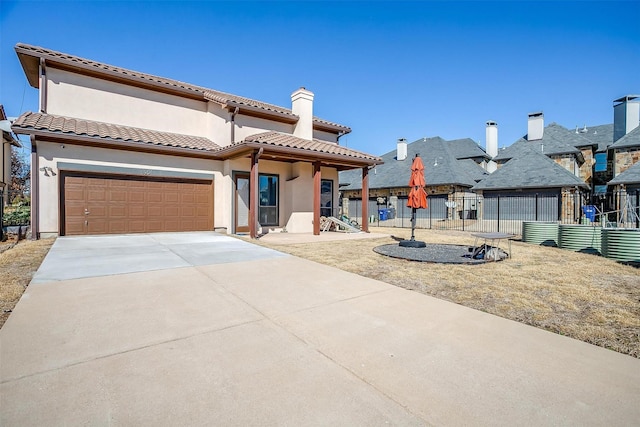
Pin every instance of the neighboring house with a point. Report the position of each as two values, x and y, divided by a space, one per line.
629 180
451 169
565 148
119 151
8 141
450 166
535 182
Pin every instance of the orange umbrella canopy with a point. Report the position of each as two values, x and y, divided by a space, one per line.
417 195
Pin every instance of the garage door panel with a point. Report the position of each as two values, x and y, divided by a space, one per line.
136 226
117 211
171 197
117 227
154 197
136 196
98 226
75 193
117 195
171 211
135 205
154 226
97 194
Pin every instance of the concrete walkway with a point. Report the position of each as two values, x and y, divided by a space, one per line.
205 329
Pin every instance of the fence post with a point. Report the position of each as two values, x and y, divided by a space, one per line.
1 212
638 208
498 209
464 199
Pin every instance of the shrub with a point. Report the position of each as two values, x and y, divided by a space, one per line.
20 215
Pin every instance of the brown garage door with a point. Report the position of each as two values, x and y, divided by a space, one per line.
94 204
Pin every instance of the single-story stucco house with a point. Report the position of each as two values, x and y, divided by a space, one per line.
120 151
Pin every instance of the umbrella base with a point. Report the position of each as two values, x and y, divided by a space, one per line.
412 244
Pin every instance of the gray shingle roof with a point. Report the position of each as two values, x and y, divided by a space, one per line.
601 135
530 170
441 168
630 176
570 137
467 148
556 140
632 139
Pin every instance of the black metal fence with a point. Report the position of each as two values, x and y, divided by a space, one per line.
505 212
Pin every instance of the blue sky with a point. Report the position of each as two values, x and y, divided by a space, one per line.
386 69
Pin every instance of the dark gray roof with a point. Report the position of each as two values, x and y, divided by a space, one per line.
561 133
473 169
556 140
630 176
441 168
632 139
530 170
601 135
467 148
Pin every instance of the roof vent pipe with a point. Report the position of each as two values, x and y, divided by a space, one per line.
401 153
535 128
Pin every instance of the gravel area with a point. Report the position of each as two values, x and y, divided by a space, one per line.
443 254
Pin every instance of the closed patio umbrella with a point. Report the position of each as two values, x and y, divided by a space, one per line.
417 199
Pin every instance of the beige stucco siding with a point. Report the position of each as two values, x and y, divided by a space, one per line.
84 97
60 156
325 136
247 125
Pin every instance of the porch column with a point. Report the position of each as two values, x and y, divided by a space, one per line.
365 199
317 177
253 196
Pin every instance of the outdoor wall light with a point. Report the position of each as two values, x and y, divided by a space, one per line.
47 170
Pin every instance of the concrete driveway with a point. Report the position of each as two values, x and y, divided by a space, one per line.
205 329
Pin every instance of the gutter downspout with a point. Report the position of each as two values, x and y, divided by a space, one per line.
233 124
43 86
35 220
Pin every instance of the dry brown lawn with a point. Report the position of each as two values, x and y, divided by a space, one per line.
582 296
18 262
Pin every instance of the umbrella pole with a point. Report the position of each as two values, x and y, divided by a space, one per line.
413 224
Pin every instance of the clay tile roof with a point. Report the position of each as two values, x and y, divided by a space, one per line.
69 125
198 91
289 141
98 66
223 98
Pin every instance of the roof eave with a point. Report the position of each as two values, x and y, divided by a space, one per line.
31 64
330 127
296 154
70 138
250 110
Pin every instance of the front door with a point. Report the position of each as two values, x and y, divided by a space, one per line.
242 203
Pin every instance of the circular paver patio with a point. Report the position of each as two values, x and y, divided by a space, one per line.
443 254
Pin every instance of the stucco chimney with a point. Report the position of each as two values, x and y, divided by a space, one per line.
491 134
535 128
302 106
401 152
626 115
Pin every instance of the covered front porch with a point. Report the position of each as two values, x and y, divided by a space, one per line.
287 183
